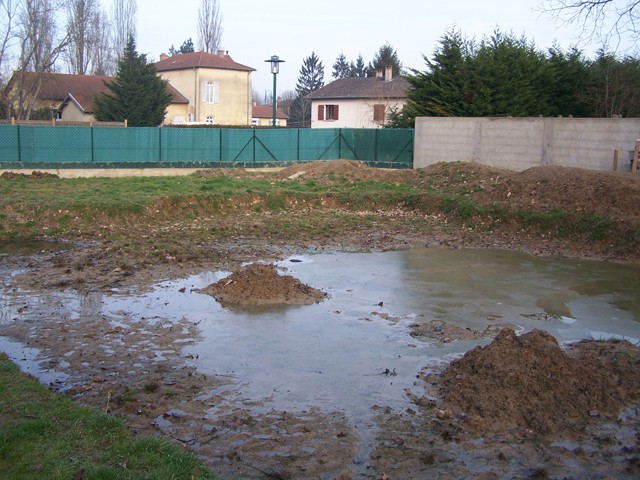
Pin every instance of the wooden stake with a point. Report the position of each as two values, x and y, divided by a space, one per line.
616 156
634 164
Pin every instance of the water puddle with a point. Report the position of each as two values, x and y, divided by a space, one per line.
28 247
355 350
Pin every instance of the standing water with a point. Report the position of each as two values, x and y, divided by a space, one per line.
354 350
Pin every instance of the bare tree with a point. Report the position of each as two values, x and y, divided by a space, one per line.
40 47
602 20
104 61
84 26
209 26
123 23
8 12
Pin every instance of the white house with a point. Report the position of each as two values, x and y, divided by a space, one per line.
358 102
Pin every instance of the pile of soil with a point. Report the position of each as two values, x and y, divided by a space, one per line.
34 174
261 285
529 384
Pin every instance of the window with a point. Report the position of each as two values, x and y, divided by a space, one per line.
210 92
378 112
209 119
328 112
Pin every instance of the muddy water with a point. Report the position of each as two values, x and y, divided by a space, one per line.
355 351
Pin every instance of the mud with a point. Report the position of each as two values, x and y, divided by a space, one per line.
260 285
520 407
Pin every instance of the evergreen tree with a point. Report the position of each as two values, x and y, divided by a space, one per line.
358 69
138 94
187 47
311 78
387 55
341 68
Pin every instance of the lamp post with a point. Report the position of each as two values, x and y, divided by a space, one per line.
275 69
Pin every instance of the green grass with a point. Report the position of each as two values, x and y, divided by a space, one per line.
44 435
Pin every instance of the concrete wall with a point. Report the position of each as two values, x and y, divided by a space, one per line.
522 143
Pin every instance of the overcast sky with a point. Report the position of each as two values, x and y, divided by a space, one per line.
253 30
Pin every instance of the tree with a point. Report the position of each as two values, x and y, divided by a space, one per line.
40 46
86 26
385 56
187 47
613 89
358 69
138 94
599 19
311 78
8 12
341 68
209 26
123 22
501 76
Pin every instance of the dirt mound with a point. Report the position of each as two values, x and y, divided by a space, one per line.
616 195
529 383
261 285
34 174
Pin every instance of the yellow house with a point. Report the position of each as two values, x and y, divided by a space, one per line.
263 116
218 89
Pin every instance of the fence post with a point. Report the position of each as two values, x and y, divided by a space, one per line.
616 156
298 146
93 157
160 144
339 144
19 140
220 143
253 141
375 144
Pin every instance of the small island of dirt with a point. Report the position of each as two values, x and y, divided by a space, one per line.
262 285
529 384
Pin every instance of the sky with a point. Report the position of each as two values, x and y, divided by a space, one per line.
254 30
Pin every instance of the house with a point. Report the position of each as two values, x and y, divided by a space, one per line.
262 116
358 102
67 97
217 88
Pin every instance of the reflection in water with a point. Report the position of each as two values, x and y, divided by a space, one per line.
333 355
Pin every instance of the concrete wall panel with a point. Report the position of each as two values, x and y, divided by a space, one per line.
522 143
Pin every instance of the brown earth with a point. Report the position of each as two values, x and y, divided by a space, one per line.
260 285
521 407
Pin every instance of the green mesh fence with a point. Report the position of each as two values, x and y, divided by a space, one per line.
31 146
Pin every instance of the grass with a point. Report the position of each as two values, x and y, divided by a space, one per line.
62 208
44 435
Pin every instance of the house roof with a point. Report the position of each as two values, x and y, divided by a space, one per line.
81 89
358 88
266 111
183 61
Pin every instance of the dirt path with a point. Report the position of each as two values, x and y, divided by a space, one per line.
520 408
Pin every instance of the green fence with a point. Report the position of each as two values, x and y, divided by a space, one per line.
36 146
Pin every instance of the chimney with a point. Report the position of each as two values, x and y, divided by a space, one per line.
388 73
379 73
163 56
222 53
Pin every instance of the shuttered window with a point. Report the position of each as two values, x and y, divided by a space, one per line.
378 113
320 112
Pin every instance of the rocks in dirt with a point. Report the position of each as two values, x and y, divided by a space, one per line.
262 285
529 383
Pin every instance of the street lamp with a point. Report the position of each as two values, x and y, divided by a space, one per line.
275 69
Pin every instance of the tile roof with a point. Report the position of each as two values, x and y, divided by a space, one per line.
370 87
81 88
200 59
266 111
